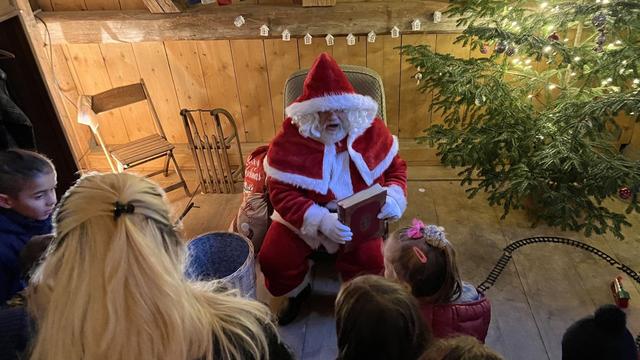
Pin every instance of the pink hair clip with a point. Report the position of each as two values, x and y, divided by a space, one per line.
415 230
421 256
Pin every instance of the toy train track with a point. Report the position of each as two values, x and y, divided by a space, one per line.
508 251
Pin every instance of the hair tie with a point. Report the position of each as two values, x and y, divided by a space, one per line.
415 230
421 255
120 208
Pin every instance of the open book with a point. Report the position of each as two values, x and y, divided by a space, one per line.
360 212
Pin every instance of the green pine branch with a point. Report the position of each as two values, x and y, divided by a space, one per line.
539 135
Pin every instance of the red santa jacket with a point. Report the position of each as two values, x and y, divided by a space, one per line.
304 175
448 320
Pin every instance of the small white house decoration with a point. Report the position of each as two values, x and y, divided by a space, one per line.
329 39
416 25
437 17
264 30
238 21
351 40
371 36
395 32
286 35
307 39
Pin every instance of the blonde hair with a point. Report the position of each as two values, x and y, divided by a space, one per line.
460 348
436 281
112 287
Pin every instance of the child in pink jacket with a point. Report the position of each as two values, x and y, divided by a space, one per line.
422 257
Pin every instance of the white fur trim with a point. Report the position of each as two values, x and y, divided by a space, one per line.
369 175
318 185
312 218
333 102
340 183
397 194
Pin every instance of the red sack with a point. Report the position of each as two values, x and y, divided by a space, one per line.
254 175
253 219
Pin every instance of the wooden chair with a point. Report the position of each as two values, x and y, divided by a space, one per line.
136 152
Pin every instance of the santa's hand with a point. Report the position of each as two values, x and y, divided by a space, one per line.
390 210
332 228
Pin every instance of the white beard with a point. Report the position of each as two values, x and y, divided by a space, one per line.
356 122
310 127
332 137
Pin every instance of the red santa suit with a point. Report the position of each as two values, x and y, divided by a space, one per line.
304 175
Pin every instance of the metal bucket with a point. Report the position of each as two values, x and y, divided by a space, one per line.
225 256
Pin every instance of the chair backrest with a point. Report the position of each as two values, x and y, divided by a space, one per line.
364 80
118 97
123 96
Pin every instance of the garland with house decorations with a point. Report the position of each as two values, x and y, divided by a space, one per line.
351 39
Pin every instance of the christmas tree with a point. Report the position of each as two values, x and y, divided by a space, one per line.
535 118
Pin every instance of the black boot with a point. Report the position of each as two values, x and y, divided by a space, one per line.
290 311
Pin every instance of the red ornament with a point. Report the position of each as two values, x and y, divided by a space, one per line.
625 193
554 37
484 48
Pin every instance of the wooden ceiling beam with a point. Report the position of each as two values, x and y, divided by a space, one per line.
214 22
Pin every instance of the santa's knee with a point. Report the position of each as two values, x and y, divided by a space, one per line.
283 253
364 259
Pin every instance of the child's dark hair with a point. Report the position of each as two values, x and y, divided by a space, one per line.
377 318
604 335
19 166
424 258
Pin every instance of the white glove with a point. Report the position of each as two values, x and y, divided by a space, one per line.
390 210
332 228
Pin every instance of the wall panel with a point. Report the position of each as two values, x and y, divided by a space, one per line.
282 60
253 88
94 78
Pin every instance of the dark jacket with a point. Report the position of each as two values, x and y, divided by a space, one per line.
14 332
469 318
278 350
15 126
15 231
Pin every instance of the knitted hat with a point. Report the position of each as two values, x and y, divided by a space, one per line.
326 88
599 337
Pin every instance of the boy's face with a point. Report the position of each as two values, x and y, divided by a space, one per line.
37 198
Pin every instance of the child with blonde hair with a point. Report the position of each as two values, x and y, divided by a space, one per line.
460 348
378 319
112 285
422 257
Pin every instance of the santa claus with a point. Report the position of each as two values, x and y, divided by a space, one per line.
331 146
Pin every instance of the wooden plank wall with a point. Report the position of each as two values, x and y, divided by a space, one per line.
246 77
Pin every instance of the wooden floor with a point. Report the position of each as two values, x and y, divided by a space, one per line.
543 290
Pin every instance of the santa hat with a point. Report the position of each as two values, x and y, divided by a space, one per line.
327 88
